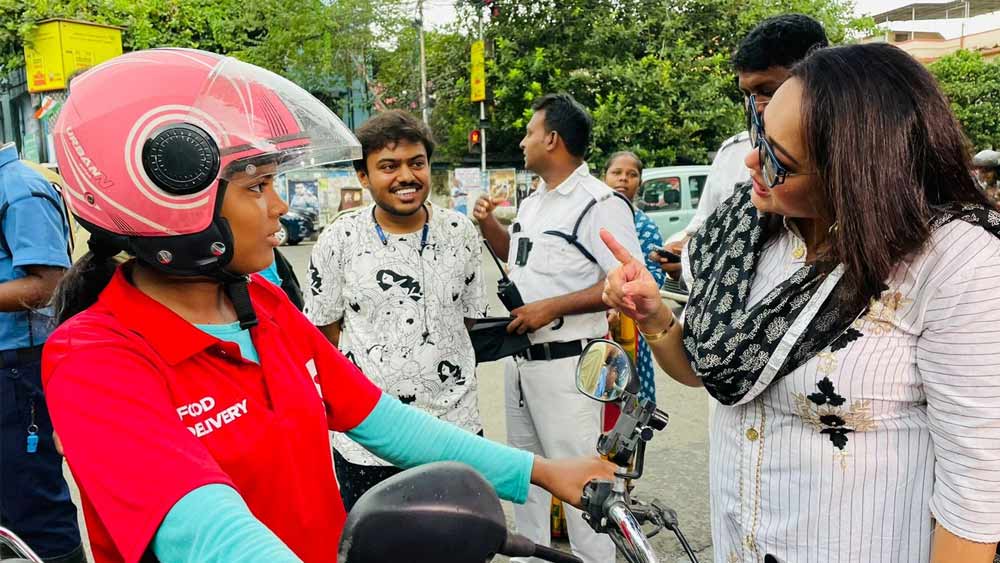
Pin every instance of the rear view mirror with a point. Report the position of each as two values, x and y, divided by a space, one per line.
441 513
604 371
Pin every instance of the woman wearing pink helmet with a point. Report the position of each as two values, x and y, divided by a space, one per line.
193 401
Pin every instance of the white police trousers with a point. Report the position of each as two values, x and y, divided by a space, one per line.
547 415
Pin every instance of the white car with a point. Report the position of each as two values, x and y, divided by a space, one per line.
670 194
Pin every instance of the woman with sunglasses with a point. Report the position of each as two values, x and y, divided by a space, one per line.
843 312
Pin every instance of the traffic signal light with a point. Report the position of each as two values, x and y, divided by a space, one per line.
475 141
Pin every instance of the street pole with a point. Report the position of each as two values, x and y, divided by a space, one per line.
423 62
482 111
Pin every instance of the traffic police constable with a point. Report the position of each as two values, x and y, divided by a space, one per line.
34 253
558 262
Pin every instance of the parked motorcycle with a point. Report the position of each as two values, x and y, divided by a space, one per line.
606 373
13 550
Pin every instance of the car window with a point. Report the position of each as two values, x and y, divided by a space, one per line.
696 184
660 194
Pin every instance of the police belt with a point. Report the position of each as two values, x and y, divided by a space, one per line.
551 351
20 356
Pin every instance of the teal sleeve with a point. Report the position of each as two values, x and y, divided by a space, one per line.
212 524
407 437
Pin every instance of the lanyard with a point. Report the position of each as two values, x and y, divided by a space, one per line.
423 232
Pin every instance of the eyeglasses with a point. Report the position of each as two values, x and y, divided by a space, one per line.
755 123
774 172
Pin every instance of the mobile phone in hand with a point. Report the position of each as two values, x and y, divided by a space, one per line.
669 256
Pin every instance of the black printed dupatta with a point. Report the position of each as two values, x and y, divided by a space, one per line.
738 350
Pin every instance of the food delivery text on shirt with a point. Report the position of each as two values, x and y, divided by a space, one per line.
211 422
206 406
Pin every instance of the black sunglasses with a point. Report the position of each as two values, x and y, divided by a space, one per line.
774 172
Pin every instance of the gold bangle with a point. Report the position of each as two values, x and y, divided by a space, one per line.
662 333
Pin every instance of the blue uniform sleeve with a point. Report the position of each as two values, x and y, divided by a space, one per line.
212 524
408 437
35 231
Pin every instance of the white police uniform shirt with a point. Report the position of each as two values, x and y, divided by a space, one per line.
554 266
727 170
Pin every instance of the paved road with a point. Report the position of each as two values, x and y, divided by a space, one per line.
676 460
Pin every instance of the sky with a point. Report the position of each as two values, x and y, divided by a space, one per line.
865 7
439 12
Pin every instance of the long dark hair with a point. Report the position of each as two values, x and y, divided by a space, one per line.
887 149
85 280
617 155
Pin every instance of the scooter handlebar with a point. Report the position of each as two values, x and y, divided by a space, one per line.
627 534
20 550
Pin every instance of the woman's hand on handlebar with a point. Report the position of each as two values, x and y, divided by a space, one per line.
630 288
566 478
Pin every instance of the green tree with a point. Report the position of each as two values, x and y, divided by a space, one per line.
655 74
321 45
397 85
214 25
972 85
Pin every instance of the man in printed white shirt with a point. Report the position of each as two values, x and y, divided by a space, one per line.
762 63
558 263
395 286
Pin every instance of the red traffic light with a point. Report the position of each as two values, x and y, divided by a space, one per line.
475 136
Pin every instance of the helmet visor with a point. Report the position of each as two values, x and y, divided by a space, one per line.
259 116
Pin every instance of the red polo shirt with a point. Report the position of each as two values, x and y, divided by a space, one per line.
149 407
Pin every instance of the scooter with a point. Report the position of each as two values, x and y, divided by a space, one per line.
606 373
13 550
447 513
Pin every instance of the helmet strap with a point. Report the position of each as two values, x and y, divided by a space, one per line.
238 291
206 253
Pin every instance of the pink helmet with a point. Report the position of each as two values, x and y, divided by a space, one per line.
146 141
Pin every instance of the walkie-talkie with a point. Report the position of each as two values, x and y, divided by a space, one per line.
506 290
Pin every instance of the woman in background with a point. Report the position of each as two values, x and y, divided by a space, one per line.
624 174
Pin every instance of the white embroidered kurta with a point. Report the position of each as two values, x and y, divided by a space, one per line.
850 457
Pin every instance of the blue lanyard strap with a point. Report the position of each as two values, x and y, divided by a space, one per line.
423 232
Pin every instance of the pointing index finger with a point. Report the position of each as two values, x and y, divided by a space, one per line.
619 251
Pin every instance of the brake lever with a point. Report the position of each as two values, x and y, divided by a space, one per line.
667 515
647 514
